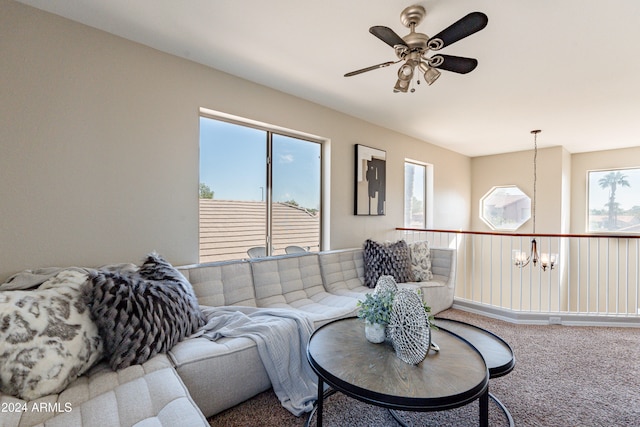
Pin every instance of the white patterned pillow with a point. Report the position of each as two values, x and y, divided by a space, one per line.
421 260
47 337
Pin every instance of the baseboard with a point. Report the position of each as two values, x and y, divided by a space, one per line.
566 319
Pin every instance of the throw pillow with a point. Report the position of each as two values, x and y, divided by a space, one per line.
157 268
47 337
391 259
139 318
421 260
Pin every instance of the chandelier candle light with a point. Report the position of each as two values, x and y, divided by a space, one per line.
520 258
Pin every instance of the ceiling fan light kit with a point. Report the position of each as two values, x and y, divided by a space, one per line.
413 48
430 74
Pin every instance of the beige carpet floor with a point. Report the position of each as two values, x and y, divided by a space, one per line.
564 376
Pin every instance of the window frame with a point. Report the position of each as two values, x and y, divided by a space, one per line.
427 196
492 225
588 207
325 153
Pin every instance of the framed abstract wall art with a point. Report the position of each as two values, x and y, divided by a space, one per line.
370 181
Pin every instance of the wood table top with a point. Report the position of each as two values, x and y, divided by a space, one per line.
341 355
497 354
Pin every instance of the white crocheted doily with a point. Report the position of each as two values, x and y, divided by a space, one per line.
408 328
386 284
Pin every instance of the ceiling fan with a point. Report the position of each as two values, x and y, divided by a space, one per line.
413 48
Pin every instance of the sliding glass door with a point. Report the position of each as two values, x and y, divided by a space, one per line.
258 189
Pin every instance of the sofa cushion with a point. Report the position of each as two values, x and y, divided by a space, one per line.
151 394
139 318
286 279
295 281
220 374
391 259
343 272
47 337
222 283
420 260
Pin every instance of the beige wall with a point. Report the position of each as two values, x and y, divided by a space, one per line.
99 148
562 208
562 183
517 169
584 162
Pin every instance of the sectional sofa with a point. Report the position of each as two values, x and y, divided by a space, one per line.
199 378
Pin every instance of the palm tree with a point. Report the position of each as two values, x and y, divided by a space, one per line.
611 181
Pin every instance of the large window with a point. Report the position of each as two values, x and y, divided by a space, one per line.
417 194
614 201
258 189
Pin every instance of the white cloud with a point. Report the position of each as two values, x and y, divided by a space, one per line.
286 158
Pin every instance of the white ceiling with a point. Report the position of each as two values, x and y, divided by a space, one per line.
570 67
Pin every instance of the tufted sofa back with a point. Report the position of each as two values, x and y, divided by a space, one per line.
223 283
299 280
286 279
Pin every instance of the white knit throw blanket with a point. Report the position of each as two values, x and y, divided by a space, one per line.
281 336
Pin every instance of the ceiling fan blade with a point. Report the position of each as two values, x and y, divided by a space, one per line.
373 67
387 35
457 64
464 27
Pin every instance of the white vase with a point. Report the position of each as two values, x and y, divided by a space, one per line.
374 332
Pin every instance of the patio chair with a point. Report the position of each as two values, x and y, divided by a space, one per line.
294 249
257 252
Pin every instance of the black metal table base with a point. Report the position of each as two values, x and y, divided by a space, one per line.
504 409
500 405
399 420
317 408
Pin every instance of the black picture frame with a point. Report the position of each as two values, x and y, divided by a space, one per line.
370 181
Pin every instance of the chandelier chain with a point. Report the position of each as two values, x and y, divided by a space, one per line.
535 176
546 260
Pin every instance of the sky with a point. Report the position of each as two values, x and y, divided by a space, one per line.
626 196
232 164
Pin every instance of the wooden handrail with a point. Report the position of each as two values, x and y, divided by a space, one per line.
493 233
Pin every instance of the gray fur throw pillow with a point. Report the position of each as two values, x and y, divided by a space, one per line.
157 268
392 259
140 317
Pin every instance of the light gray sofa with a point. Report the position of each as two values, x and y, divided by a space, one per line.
199 378
147 395
326 286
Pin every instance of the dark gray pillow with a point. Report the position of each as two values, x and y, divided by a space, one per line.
138 318
157 268
382 259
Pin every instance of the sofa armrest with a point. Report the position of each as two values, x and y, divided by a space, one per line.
443 265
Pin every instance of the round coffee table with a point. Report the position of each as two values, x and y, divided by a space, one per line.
342 357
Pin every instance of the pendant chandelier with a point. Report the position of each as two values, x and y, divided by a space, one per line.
520 258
